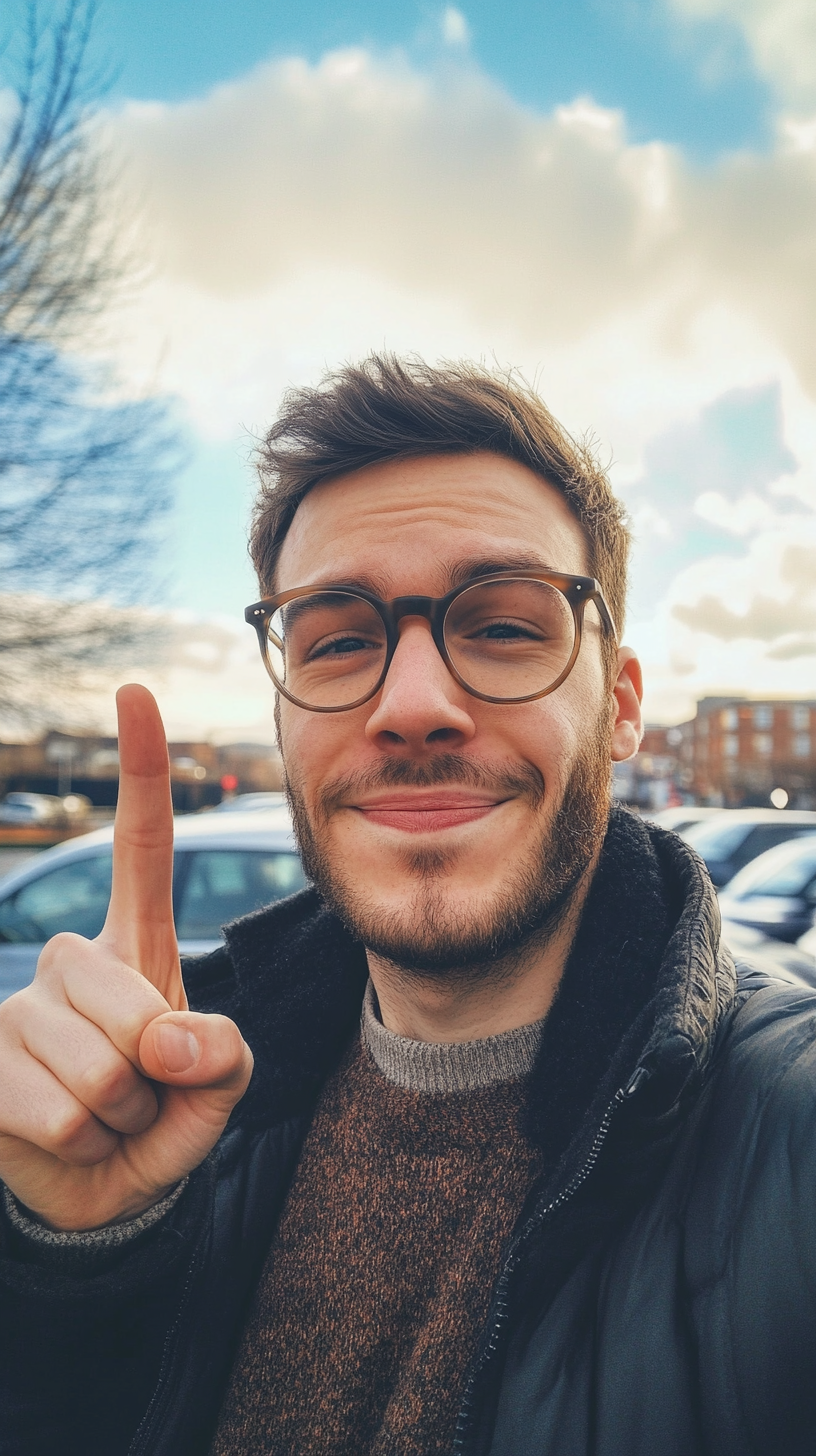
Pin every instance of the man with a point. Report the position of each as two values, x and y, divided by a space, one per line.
522 1167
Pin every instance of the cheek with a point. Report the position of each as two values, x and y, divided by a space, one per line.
551 734
301 736
317 746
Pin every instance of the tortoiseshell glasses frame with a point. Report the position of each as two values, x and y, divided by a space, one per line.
576 590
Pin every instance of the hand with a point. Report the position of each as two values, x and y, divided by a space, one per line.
111 1091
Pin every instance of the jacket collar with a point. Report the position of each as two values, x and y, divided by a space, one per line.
644 987
641 1000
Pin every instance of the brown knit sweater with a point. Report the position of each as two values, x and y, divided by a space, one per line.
378 1281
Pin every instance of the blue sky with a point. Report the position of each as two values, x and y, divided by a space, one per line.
616 196
691 83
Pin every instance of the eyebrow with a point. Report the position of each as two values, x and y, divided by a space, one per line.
471 569
303 606
475 567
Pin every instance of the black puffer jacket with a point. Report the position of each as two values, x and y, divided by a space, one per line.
659 1294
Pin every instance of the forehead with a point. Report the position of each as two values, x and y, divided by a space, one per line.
403 526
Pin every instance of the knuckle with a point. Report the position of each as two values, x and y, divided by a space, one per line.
58 951
9 1010
65 1125
130 1028
105 1081
15 1011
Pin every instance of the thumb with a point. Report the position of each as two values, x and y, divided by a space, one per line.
196 1050
205 1066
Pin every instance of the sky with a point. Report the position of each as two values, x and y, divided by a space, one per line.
617 197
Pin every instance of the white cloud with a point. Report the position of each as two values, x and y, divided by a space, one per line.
743 517
307 214
540 231
455 29
781 35
742 624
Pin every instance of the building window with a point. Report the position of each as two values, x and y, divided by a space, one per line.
763 718
800 718
729 719
763 745
801 745
730 746
702 727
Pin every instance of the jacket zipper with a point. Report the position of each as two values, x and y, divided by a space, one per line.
147 1424
501 1301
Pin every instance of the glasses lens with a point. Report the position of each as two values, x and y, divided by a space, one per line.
327 649
509 639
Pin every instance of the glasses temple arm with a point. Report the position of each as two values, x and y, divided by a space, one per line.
605 614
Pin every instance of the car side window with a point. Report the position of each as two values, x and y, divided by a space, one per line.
223 884
767 836
70 897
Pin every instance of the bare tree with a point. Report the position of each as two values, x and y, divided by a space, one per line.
55 654
84 482
55 267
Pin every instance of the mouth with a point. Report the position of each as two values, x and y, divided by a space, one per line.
426 813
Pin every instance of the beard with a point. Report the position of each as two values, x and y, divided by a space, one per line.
432 936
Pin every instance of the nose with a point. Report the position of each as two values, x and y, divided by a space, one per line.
419 705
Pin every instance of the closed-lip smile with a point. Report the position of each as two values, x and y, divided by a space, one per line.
424 811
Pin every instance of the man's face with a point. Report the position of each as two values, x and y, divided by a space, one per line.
445 830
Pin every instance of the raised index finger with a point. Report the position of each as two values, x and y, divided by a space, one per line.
139 925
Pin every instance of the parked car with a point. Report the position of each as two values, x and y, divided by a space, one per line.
223 868
736 836
786 962
241 803
681 816
24 809
776 893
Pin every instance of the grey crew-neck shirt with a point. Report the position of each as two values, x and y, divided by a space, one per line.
460 1066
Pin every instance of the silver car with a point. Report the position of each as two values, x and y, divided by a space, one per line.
224 866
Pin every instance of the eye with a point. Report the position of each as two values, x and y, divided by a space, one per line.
342 647
506 631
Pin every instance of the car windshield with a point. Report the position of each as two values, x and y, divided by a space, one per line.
717 839
787 870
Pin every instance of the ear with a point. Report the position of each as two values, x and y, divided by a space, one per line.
627 729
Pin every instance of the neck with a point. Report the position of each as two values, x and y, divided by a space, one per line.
477 1002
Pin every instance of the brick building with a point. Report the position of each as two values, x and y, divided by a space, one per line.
734 752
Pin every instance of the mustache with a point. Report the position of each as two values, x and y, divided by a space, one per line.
444 768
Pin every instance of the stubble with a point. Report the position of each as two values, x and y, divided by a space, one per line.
432 936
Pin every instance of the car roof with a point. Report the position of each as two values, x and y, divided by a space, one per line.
766 816
258 829
677 814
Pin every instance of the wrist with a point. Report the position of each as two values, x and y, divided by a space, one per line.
112 1234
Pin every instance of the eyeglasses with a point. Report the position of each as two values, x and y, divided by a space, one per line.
505 638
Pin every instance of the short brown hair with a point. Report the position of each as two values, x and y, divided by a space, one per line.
390 409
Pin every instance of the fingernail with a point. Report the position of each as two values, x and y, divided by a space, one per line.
178 1049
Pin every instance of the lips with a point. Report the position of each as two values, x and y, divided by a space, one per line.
426 813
